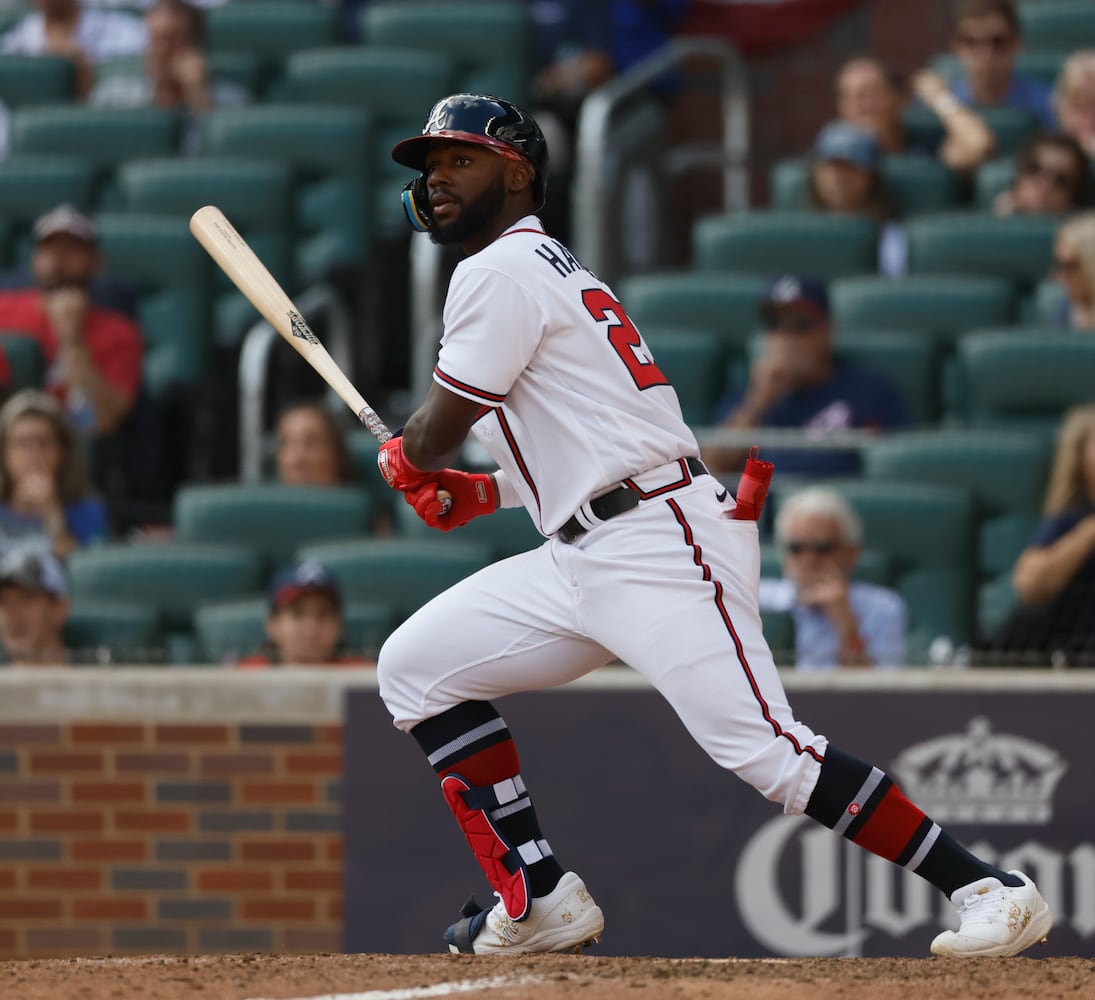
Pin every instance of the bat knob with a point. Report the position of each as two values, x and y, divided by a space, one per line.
446 502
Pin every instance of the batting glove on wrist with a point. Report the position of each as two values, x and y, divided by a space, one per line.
472 494
396 468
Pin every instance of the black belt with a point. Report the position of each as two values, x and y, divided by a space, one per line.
617 501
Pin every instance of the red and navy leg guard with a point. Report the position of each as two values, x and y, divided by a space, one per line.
501 862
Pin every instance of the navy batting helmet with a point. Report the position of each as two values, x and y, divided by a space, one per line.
478 118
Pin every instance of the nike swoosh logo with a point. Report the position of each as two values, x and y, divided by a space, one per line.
721 496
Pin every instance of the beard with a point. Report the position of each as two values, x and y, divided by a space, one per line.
473 217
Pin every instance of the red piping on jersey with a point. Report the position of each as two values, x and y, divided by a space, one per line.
686 478
538 232
698 559
507 431
490 397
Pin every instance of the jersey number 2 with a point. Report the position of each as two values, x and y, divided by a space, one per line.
623 337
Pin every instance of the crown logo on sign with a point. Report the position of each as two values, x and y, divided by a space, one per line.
981 777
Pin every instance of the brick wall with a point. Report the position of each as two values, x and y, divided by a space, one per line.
122 835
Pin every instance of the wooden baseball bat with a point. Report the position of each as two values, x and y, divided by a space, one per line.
224 244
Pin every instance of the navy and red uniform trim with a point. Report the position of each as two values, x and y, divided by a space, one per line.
515 450
697 556
471 390
685 480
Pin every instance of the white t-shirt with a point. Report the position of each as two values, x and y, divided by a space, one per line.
572 401
102 34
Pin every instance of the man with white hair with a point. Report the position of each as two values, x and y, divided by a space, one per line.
839 621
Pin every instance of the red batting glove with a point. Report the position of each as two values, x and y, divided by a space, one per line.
396 468
473 494
753 487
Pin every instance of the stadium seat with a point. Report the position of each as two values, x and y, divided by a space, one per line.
366 76
768 242
1041 64
504 533
873 566
114 631
272 519
491 44
328 149
104 137
171 275
939 305
172 579
404 573
917 184
1045 305
254 194
1017 247
779 633
43 79
1010 126
1022 377
227 630
24 357
271 30
32 185
1057 24
693 361
990 180
907 359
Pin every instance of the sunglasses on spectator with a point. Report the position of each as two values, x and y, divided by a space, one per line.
819 546
997 43
1061 181
792 322
1066 263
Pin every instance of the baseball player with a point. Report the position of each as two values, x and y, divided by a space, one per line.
644 561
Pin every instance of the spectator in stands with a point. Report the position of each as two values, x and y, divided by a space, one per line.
1054 577
1074 98
304 626
44 486
1074 269
84 34
845 179
986 39
1052 177
311 447
34 606
93 354
176 75
797 381
868 95
839 622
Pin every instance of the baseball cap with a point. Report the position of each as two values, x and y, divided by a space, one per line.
845 141
32 569
795 289
304 577
68 220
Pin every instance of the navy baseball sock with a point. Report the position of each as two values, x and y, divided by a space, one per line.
861 803
474 755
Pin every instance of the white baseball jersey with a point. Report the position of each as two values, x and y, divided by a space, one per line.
573 402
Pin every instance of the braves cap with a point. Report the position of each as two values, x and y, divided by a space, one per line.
33 569
845 141
67 220
796 289
305 577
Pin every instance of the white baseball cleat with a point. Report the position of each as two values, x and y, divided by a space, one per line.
566 919
996 919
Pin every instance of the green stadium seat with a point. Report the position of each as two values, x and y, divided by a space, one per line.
768 243
24 357
779 633
254 194
990 180
114 631
271 30
1057 24
228 630
404 573
693 361
1039 63
873 566
1017 247
491 44
173 579
43 79
504 533
171 275
32 185
1010 126
328 149
917 184
366 76
272 519
907 359
104 137
1042 307
939 305
1022 377
724 304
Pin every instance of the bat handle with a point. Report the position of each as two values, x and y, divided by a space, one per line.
371 419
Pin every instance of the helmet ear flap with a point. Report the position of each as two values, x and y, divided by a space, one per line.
416 203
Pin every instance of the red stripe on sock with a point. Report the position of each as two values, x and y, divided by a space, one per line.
488 766
891 826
